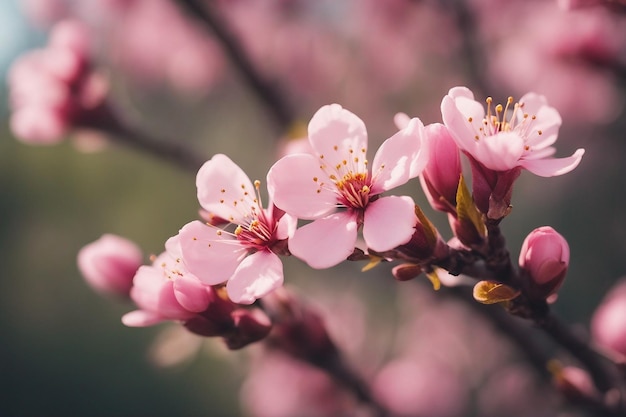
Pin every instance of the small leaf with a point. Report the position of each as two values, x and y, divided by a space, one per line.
434 279
490 292
466 209
430 230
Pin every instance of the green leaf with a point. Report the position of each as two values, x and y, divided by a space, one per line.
466 209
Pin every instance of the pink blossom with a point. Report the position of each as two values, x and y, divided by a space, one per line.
314 187
545 257
109 264
551 51
279 386
246 259
427 386
440 179
608 324
53 89
166 290
516 135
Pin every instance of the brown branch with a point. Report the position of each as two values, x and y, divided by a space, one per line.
266 91
105 120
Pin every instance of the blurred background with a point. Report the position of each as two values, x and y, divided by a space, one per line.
63 349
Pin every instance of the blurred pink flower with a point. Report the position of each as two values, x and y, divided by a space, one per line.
166 290
578 4
279 386
518 135
545 257
567 56
109 264
54 89
246 259
183 56
313 187
44 13
608 324
421 387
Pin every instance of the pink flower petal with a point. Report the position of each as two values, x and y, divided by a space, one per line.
191 293
224 189
554 166
335 131
257 275
147 285
500 152
141 318
168 305
401 120
457 122
389 222
399 158
37 125
286 226
209 253
547 121
298 186
325 242
540 154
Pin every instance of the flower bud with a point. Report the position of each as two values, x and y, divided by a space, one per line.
608 324
544 257
573 382
109 264
405 272
250 326
440 178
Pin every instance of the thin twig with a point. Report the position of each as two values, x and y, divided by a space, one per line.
119 131
265 90
523 340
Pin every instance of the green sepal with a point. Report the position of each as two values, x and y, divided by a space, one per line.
466 209
430 231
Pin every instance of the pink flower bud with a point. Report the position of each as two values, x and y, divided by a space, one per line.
440 178
109 264
544 257
250 326
608 324
575 383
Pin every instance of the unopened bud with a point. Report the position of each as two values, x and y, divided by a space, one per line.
573 382
250 326
544 258
440 178
608 324
109 264
405 272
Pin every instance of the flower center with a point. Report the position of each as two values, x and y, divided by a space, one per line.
353 190
257 231
504 119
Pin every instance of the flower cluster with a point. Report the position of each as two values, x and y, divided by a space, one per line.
55 88
320 200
